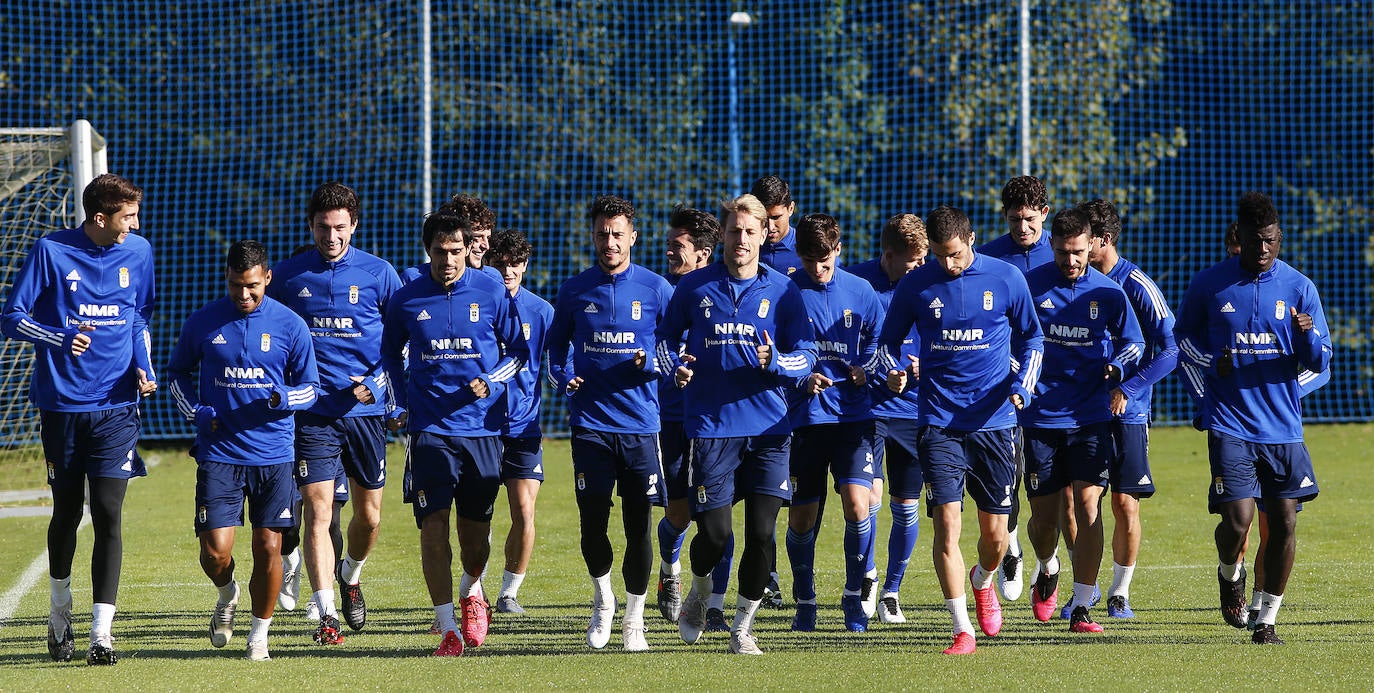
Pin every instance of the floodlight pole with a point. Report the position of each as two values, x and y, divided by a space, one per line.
1024 116
426 112
738 22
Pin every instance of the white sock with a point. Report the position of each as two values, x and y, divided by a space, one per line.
602 593
982 577
60 593
1049 567
1231 573
447 619
469 586
291 561
1256 599
1121 580
634 608
717 601
351 570
1082 595
1013 543
229 594
744 614
894 595
1269 608
258 631
958 610
102 619
701 584
510 583
325 600
674 568
846 593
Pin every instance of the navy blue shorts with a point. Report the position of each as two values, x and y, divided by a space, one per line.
454 470
901 446
1128 469
725 470
979 461
1241 469
842 450
522 458
1057 457
879 453
221 489
97 444
624 462
675 447
356 443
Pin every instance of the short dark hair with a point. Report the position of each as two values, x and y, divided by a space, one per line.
703 227
905 232
945 224
772 191
610 207
818 235
1232 238
107 192
478 215
1254 212
508 247
1024 191
1070 222
245 255
1102 216
332 195
442 224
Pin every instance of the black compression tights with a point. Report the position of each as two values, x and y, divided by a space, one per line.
107 550
760 523
637 516
291 536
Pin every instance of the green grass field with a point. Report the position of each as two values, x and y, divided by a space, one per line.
1178 640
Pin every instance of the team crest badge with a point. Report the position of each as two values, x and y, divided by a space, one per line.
1280 310
472 312
266 342
581 481
701 495
123 277
1092 310
987 300
302 469
353 294
763 308
421 500
525 328
635 310
1219 487
202 515
52 470
930 493
1034 481
848 318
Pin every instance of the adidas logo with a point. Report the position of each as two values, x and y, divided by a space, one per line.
539 469
868 468
305 292
1103 475
705 303
219 339
424 315
1047 304
783 486
1306 482
128 466
1006 501
342 488
937 304
591 308
285 514
1228 308
1144 480
73 276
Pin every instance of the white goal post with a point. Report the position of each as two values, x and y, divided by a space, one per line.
28 153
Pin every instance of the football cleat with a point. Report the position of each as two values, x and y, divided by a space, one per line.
1264 635
434 626
599 630
328 632
1081 622
715 621
743 642
257 651
692 620
101 654
889 611
1009 581
855 621
507 604
988 608
1044 596
61 641
451 646
772 594
1119 607
1065 612
222 624
1233 604
669 596
632 634
805 619
869 596
354 607
476 618
963 644
312 611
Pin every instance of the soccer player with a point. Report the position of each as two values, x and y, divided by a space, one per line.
607 315
972 314
779 251
480 217
1025 208
1091 339
832 419
83 299
1129 468
897 422
341 292
522 441
1251 324
746 338
256 368
465 346
692 237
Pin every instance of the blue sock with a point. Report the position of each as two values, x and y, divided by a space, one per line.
670 541
856 537
872 537
801 553
900 543
720 577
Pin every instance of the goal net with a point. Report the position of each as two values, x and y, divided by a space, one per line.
42 173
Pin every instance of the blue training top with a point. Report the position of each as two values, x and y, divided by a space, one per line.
845 315
886 403
1160 356
1025 259
524 392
